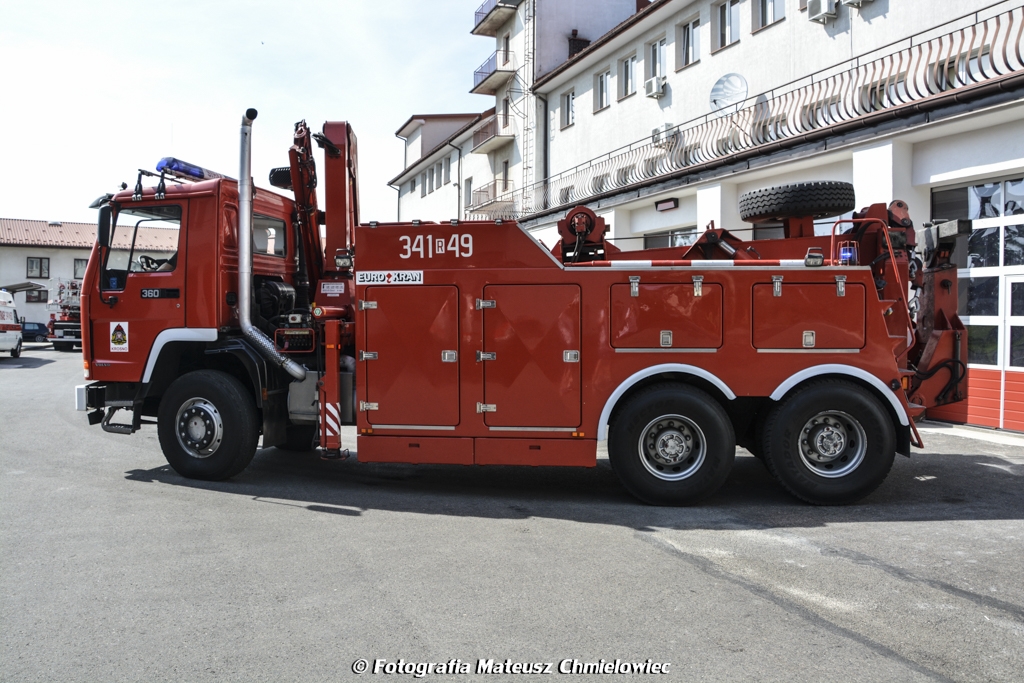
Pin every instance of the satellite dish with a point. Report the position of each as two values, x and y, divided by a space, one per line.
729 90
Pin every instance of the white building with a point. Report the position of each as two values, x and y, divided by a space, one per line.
35 256
690 104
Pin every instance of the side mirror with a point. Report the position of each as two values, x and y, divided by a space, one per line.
103 227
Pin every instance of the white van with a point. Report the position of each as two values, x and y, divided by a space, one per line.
10 326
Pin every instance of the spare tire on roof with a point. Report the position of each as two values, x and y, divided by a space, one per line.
822 199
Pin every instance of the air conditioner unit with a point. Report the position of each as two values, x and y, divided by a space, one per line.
655 87
664 135
854 3
821 10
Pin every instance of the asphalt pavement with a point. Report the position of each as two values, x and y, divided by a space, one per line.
114 568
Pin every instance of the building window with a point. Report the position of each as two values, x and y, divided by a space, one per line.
504 176
506 108
991 286
568 109
767 12
688 43
412 186
430 179
656 58
681 237
80 264
627 76
447 170
505 48
602 90
726 26
467 193
37 267
37 296
423 184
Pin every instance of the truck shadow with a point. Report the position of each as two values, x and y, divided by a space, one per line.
25 362
929 487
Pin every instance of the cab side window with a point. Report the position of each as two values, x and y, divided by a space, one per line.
268 236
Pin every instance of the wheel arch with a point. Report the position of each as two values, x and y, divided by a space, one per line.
176 352
901 421
675 372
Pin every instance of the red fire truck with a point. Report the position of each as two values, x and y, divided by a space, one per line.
65 326
470 343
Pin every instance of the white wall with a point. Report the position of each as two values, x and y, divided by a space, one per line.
13 267
558 18
784 52
992 151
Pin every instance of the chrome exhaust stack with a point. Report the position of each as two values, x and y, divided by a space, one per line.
245 192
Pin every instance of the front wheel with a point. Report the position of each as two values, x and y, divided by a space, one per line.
208 426
831 443
63 346
671 444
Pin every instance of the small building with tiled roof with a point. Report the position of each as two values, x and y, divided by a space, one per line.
44 252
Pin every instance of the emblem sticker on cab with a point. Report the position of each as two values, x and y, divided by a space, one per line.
119 337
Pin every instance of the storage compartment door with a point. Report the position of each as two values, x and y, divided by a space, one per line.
414 377
666 317
808 317
533 377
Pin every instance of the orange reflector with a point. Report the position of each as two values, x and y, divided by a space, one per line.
264 393
906 383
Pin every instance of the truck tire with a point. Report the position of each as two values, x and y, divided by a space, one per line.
16 351
671 444
63 346
208 425
830 443
300 438
819 200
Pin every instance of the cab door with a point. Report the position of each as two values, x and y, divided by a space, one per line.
141 288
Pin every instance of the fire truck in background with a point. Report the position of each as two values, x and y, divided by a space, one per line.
471 343
65 324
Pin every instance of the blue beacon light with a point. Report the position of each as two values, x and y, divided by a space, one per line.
183 169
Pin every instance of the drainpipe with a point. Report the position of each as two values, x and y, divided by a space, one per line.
398 203
245 192
458 183
544 154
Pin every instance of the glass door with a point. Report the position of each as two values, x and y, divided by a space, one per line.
1013 381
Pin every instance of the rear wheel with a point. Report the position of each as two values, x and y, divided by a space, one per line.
671 444
16 351
63 346
208 425
830 443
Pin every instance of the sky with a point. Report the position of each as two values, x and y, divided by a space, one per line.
90 92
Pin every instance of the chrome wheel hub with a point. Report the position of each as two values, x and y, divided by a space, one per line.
832 444
199 428
672 447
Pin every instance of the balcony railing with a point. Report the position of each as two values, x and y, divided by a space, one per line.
496 132
952 62
496 192
494 73
491 15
